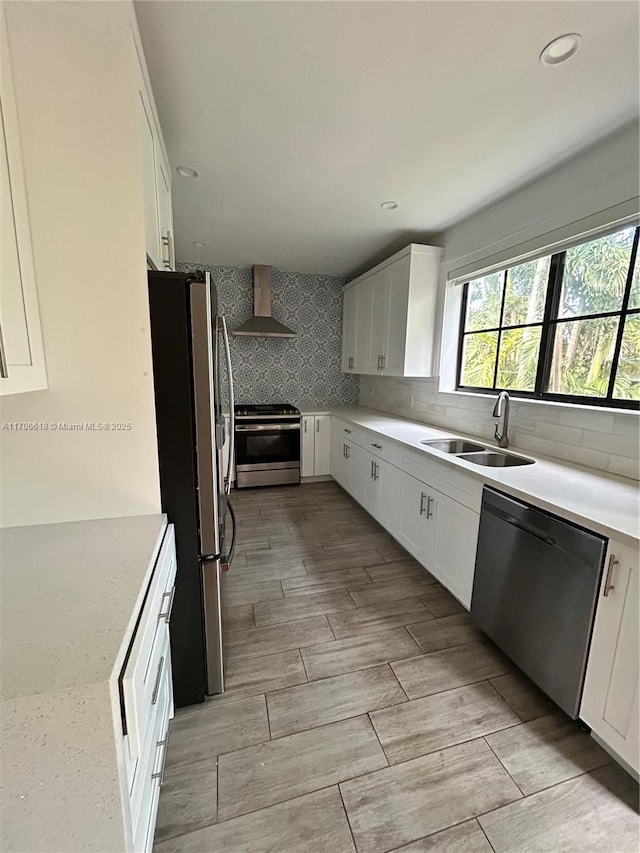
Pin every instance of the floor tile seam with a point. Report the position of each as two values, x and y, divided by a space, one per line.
302 618
278 803
361 715
352 716
457 687
444 829
437 651
371 634
450 690
298 796
346 814
607 760
484 738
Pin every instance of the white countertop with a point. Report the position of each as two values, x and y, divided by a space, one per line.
603 502
71 594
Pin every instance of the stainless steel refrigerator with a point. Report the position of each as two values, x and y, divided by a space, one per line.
189 345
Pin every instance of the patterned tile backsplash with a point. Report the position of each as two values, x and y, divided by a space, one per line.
305 370
606 440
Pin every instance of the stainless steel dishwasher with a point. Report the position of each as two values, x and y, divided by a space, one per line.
534 592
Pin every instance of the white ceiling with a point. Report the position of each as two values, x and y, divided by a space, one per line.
303 117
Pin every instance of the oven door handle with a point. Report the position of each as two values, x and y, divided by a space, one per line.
264 427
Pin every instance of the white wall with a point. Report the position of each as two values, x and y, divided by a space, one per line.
76 91
597 187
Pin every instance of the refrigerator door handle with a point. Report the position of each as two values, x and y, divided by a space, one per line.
202 333
225 559
232 414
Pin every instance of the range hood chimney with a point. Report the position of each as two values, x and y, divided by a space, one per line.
262 324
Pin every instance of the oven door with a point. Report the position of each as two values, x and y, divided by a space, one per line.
267 453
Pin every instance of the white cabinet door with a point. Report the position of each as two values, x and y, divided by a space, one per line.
149 184
165 215
349 329
308 446
610 698
379 287
455 539
339 460
385 508
22 366
413 531
395 334
363 328
358 461
322 446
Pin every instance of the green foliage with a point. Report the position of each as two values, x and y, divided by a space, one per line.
594 281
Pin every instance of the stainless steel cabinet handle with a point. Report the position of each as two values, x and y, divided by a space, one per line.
317 426
379 446
156 686
422 500
429 502
608 586
344 451
375 470
305 426
4 366
351 362
348 450
160 774
371 470
166 615
166 241
346 430
383 361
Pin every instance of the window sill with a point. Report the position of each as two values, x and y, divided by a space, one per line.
552 404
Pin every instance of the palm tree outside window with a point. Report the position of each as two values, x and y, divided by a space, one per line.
562 327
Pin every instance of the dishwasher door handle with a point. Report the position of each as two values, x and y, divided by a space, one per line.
532 531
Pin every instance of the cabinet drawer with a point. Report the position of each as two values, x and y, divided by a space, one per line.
149 656
381 447
453 482
150 769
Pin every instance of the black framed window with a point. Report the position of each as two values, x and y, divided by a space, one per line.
562 327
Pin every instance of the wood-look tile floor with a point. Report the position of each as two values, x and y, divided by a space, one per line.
364 712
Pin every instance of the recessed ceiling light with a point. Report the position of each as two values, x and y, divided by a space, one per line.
331 258
187 172
199 244
389 205
560 49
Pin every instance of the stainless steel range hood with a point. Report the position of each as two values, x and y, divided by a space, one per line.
262 324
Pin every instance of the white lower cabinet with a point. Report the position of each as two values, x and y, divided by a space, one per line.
440 532
413 531
147 700
610 698
454 547
315 451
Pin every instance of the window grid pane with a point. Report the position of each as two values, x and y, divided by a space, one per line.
583 323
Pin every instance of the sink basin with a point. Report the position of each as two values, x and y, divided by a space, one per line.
453 445
494 459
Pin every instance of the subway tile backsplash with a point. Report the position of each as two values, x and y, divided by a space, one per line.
604 440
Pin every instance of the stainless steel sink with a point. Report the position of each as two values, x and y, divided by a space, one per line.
493 459
453 445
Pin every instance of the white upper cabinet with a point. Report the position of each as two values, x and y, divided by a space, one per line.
156 181
349 328
149 184
22 365
389 322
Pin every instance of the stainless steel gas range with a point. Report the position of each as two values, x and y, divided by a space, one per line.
267 445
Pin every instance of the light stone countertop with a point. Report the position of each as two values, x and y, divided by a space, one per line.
70 597
600 501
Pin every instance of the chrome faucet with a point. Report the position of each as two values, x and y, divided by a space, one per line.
501 410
